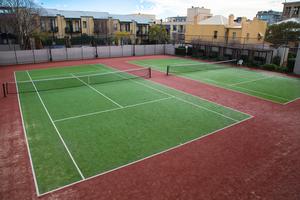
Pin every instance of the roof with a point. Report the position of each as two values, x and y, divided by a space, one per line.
291 2
215 20
297 20
96 15
74 14
130 18
219 20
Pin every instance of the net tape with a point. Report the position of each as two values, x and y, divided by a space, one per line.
76 81
193 67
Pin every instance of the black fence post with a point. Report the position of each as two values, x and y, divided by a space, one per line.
96 50
16 54
33 54
50 54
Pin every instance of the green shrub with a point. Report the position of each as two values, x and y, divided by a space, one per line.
276 60
190 51
252 64
281 69
180 51
270 67
291 64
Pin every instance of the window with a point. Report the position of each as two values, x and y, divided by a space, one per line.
181 29
84 24
287 10
259 36
127 27
234 35
115 27
77 26
43 25
174 28
296 11
52 25
215 34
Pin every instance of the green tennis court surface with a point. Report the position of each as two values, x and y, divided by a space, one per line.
85 125
263 85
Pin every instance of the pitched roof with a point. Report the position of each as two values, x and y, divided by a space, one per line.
96 15
74 14
215 20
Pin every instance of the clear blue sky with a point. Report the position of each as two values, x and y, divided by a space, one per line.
166 8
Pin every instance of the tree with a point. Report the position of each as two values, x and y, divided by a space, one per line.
158 34
24 19
122 37
283 33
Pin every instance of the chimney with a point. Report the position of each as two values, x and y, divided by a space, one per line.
244 19
231 20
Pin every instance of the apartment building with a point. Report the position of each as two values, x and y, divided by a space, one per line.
176 26
222 30
271 16
64 23
291 10
197 14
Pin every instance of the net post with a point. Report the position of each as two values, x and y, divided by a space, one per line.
168 68
4 90
150 72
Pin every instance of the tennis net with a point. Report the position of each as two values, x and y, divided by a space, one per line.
75 81
188 67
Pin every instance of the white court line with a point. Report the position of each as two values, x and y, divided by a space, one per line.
111 110
62 140
165 86
26 138
175 147
59 76
65 74
262 93
250 81
292 101
247 89
91 87
148 157
180 99
223 87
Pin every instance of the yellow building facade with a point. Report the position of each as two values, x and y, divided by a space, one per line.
219 29
61 24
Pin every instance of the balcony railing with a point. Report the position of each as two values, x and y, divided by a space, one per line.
70 30
141 33
53 29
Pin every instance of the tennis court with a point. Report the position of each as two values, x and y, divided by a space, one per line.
265 85
85 121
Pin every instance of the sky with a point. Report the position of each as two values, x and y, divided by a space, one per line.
167 8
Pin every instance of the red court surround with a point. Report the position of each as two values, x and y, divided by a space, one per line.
257 159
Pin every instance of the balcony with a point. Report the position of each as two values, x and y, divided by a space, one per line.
53 29
70 30
141 33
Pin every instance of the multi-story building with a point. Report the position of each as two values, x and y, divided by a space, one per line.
291 10
197 14
69 24
271 17
222 30
176 26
